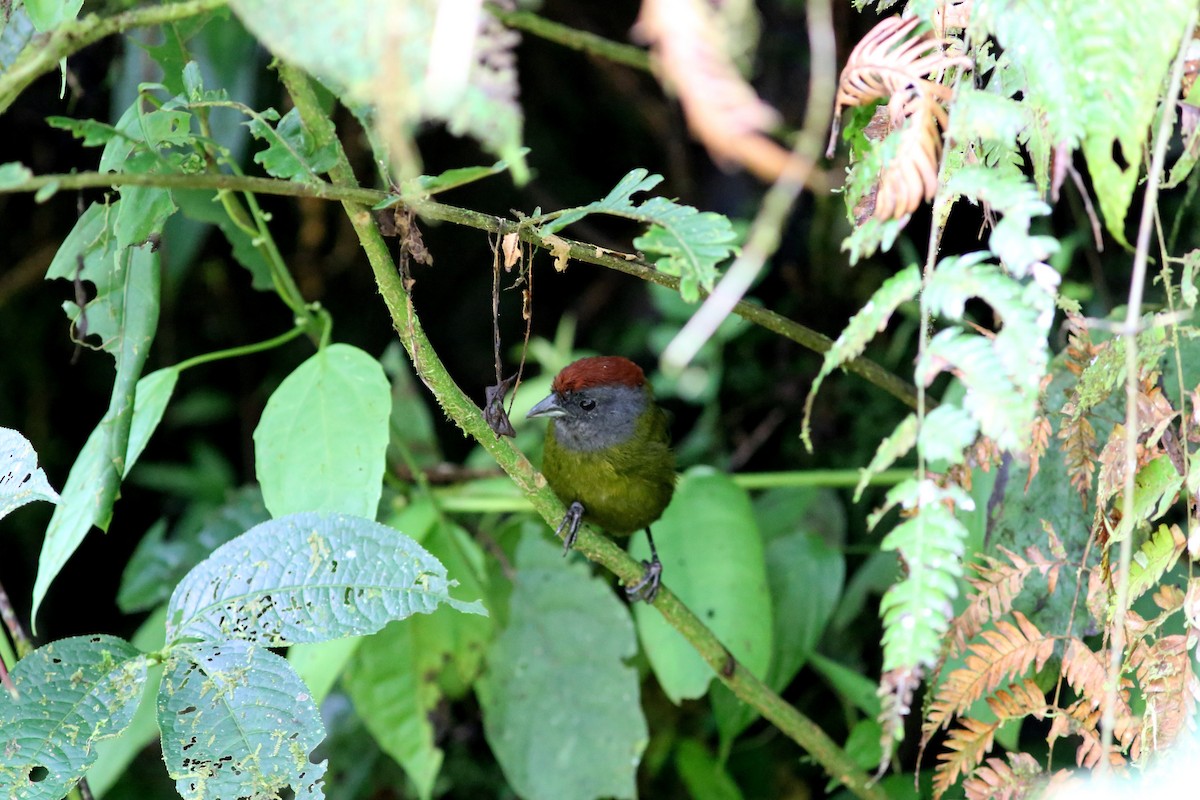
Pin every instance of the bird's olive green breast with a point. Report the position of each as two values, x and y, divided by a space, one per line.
623 487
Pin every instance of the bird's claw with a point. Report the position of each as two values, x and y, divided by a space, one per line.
647 588
570 521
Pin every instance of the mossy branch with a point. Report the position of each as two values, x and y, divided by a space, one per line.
596 547
584 252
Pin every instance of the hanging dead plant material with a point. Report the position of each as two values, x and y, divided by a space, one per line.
723 111
889 63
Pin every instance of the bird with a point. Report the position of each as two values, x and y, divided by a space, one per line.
608 454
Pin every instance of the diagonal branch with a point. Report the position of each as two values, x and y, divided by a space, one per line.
467 415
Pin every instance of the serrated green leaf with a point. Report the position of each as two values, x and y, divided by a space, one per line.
560 703
237 721
21 479
689 243
871 319
124 315
916 610
947 432
321 442
69 695
309 577
712 555
14 173
93 132
1152 560
291 153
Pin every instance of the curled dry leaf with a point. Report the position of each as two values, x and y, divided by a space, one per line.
723 111
890 63
951 15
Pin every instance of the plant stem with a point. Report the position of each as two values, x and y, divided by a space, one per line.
806 337
1129 332
467 415
575 39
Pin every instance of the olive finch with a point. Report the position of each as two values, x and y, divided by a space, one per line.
608 454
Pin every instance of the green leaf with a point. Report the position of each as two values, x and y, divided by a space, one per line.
320 444
870 320
1152 560
237 721
1154 491
49 14
690 243
21 479
916 611
320 664
115 754
560 703
855 689
444 181
394 693
124 315
712 555
151 396
947 432
897 445
805 575
203 205
14 173
412 432
309 578
704 777
291 153
399 677
158 563
1007 192
69 695
378 54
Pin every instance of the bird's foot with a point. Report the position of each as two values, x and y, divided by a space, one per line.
570 521
647 588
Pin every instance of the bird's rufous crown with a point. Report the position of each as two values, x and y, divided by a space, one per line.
598 371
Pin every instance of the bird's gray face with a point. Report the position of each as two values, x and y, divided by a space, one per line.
595 418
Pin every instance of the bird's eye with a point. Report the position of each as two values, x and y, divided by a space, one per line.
587 404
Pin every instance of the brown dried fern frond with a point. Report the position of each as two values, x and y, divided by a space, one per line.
996 584
996 780
1037 446
911 175
888 61
1079 451
1084 722
965 748
1081 351
1170 687
1007 650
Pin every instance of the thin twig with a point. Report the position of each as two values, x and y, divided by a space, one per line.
1137 283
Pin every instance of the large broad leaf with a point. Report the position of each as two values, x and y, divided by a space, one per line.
805 572
712 555
123 315
322 439
237 721
308 578
560 705
398 677
21 479
69 695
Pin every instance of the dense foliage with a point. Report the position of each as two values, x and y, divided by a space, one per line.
302 247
